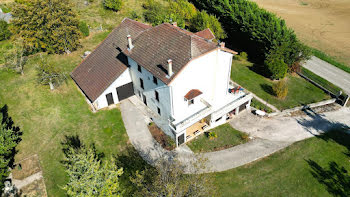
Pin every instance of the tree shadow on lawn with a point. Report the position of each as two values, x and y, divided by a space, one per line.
268 89
335 177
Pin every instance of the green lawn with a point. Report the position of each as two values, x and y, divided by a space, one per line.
226 137
46 117
288 172
300 91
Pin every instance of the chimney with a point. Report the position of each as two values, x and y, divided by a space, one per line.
222 44
130 42
174 24
170 67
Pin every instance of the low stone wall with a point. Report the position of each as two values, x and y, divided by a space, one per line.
313 105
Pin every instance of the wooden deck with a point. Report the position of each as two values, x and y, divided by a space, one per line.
195 129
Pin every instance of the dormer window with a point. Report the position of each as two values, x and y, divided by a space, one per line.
189 97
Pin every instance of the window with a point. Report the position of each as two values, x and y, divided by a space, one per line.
155 80
190 102
218 119
158 110
141 84
157 95
139 68
109 98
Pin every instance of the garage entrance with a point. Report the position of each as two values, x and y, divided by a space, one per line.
125 91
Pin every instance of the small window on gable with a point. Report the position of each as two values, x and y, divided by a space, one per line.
190 102
155 80
141 84
139 68
156 95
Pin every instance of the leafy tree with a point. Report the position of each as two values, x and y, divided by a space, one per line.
88 176
280 89
46 25
114 5
202 20
16 57
4 31
255 30
10 136
49 74
84 29
276 66
183 9
169 180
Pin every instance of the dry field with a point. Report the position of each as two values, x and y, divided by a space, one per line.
322 24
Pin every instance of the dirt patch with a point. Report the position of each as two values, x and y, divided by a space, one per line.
322 24
165 141
36 188
26 168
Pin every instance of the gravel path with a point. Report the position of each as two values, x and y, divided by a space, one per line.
329 72
269 136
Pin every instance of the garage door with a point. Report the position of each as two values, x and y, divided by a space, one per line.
125 91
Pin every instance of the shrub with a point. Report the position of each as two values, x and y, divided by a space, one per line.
276 66
212 135
280 89
243 56
84 28
4 31
134 15
114 5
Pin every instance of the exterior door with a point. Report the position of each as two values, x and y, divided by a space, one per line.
109 98
125 91
181 139
144 99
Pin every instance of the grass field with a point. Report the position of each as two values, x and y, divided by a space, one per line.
289 172
321 24
226 137
46 117
300 91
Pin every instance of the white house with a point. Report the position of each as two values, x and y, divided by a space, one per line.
182 77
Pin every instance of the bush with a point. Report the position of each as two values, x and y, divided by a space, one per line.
134 15
212 135
276 66
114 5
280 89
84 28
4 31
243 56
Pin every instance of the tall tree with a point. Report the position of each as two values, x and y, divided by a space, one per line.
47 25
88 176
169 179
16 57
10 136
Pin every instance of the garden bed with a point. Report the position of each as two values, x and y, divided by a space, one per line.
226 137
260 106
164 140
26 168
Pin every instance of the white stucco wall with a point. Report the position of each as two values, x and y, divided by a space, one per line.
101 101
210 74
150 87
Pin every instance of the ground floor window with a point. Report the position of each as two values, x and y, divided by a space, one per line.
109 98
159 111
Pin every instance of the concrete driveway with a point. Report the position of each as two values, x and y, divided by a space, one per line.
269 135
329 72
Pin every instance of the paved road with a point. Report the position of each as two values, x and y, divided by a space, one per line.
270 135
329 72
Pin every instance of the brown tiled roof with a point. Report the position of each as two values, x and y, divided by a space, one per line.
193 94
206 34
106 63
156 45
